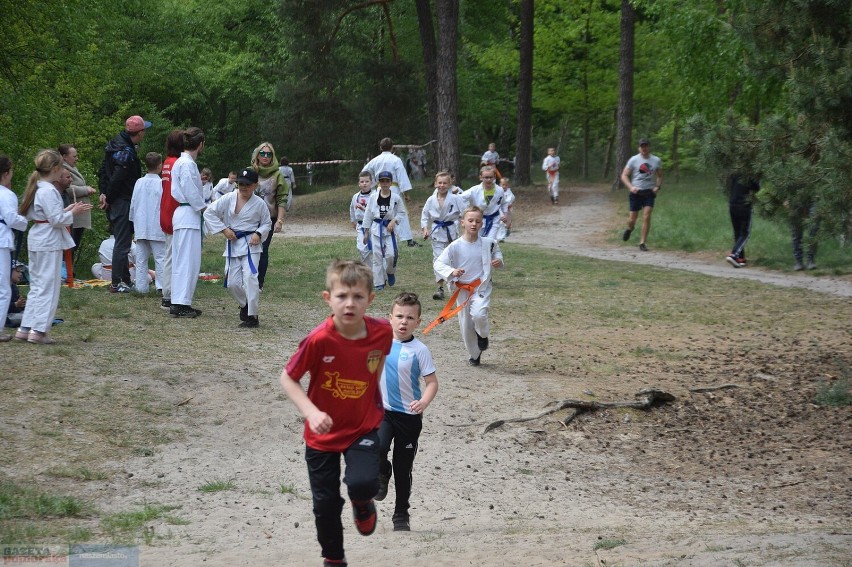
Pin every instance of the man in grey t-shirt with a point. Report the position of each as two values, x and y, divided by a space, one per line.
643 176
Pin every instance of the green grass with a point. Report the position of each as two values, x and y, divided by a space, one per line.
836 394
217 485
132 526
692 216
18 501
609 543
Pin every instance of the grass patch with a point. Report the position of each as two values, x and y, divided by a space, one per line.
286 489
29 503
835 394
129 527
217 485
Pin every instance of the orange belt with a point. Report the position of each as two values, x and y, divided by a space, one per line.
449 310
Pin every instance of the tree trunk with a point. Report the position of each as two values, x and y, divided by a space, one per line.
610 142
524 141
675 156
427 40
447 12
623 146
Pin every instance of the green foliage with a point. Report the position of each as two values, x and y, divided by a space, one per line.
29 503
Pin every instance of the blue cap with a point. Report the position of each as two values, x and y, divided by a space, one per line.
385 175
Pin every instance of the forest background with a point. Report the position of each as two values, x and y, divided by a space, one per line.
763 87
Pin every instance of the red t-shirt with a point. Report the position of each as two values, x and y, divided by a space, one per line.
344 380
168 204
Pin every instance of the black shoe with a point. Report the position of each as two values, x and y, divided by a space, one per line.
184 311
643 248
626 235
335 563
365 517
401 523
481 342
438 294
165 304
384 480
251 321
244 313
412 243
474 361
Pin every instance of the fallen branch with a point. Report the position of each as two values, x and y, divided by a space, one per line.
645 399
706 389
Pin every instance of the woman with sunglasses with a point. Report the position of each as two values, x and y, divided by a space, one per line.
273 188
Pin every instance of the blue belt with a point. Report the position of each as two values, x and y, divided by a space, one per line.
489 222
239 234
446 226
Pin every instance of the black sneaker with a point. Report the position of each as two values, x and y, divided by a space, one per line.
474 361
626 235
183 312
165 304
365 516
643 248
401 523
391 280
120 288
481 342
251 321
335 563
412 243
732 260
244 313
438 294
384 480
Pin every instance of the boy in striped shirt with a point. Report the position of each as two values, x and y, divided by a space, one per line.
408 386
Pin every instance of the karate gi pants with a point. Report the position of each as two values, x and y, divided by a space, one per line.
553 184
186 264
383 265
242 284
165 279
145 248
473 318
5 290
43 299
363 247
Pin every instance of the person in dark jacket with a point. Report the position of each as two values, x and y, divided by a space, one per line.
741 190
118 174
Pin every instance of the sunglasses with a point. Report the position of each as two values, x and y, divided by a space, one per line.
264 154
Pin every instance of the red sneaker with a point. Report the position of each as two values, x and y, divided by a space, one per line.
365 516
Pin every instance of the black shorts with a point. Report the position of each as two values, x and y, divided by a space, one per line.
642 199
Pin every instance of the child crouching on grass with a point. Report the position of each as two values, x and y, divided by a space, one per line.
342 408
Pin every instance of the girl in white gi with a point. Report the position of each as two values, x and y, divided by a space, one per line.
439 221
505 228
9 219
186 220
550 166
49 236
490 199
243 218
467 262
356 216
383 214
145 216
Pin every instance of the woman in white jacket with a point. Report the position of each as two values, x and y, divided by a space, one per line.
42 204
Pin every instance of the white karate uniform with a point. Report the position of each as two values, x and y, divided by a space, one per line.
223 188
551 166
503 229
434 212
387 161
10 219
475 259
186 241
492 209
253 217
103 269
45 243
384 257
490 158
356 215
150 238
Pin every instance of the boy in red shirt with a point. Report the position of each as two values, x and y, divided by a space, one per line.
343 406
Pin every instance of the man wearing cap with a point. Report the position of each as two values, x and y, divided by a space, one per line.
643 176
387 161
117 177
244 219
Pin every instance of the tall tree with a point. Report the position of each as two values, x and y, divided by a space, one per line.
430 64
525 81
447 12
623 146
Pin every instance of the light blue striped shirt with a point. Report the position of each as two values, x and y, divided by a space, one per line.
405 367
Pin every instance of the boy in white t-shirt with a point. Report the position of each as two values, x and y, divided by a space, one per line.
408 386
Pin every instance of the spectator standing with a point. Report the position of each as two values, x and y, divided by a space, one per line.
741 190
118 174
9 220
288 174
273 188
78 191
